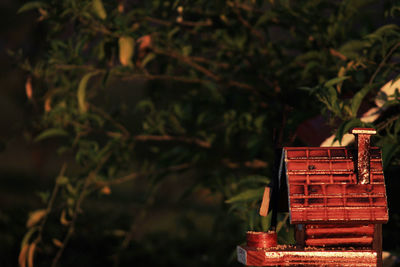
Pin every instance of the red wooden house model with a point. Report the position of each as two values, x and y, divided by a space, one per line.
337 204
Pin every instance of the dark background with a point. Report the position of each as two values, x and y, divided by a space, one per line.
27 168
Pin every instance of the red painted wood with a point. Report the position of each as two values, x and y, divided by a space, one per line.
323 188
339 215
334 231
344 241
337 199
363 155
261 239
292 256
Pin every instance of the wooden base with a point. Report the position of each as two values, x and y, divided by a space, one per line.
294 256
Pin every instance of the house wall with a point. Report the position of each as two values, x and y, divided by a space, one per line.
334 235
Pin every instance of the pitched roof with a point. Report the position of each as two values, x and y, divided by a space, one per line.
322 186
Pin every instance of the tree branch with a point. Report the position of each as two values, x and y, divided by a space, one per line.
210 62
50 204
136 175
182 22
253 30
164 77
205 71
193 141
158 21
245 7
386 58
89 179
189 62
125 131
205 23
254 164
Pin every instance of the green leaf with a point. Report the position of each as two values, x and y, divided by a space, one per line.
282 222
61 180
336 80
126 46
388 151
258 122
172 32
31 5
50 133
266 221
387 29
345 128
263 19
148 58
254 179
357 98
28 235
352 48
44 196
250 194
81 94
252 219
332 99
98 9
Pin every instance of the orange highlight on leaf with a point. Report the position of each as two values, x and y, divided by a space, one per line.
47 104
22 256
28 88
31 253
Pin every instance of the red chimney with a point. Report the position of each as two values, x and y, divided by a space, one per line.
363 136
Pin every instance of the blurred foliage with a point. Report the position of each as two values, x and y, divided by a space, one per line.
219 85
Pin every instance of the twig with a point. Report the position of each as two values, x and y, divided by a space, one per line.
189 62
135 175
113 121
77 209
129 236
254 31
142 214
254 164
383 124
73 67
73 221
388 55
97 26
207 61
50 204
164 77
205 23
79 135
158 21
245 7
205 71
242 85
135 76
188 140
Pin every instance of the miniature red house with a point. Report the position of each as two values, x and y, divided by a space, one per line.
337 203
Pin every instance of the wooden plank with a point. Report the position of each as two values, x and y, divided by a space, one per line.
265 201
301 257
341 230
377 244
359 241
